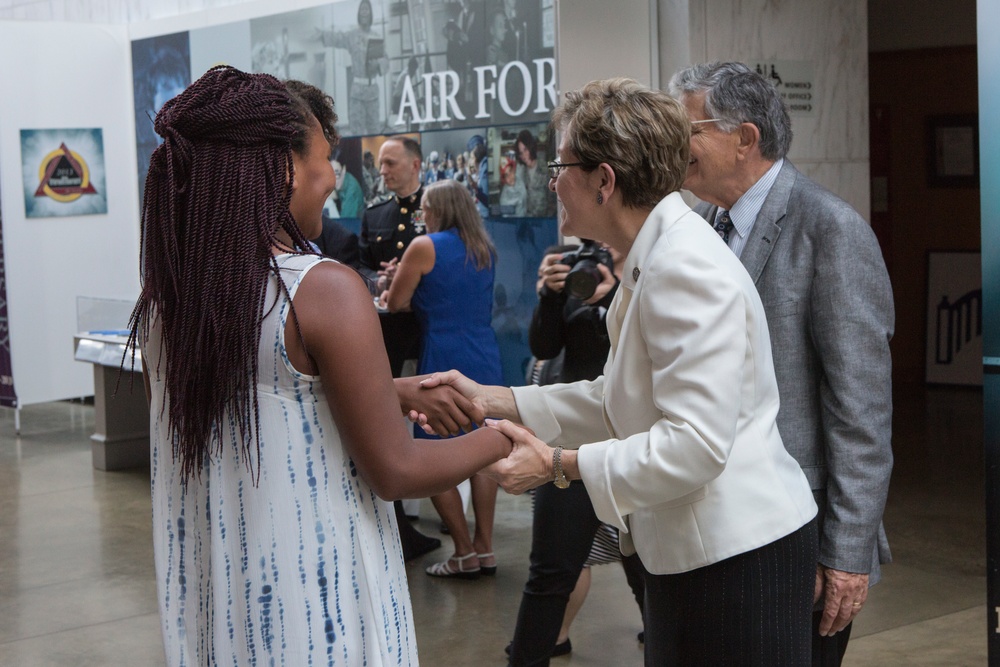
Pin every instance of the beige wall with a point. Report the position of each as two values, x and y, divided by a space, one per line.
599 39
832 145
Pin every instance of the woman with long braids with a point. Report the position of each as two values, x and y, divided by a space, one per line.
276 429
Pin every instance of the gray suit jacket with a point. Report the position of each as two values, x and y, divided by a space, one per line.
820 274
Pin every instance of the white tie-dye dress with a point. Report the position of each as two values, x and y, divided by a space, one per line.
305 568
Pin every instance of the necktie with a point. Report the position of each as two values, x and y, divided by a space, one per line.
723 225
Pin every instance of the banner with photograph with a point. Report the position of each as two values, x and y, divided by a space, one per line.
393 67
417 66
472 81
8 397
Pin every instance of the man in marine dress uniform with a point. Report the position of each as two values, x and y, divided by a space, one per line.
386 230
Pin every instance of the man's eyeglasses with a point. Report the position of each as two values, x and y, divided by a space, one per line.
696 125
556 167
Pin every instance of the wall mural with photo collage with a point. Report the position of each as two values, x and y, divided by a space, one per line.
459 76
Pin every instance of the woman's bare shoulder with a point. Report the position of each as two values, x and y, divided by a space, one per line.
332 282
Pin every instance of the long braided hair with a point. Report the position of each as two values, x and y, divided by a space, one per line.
216 196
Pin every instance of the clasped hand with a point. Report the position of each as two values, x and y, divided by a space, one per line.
474 401
438 409
529 463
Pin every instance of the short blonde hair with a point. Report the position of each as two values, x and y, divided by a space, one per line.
643 134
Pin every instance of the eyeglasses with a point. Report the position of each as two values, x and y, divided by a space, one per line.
556 167
695 123
695 130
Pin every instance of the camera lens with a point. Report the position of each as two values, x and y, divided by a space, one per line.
583 279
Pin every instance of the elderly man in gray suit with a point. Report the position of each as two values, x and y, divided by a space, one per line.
826 293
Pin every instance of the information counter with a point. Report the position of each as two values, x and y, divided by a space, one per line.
121 418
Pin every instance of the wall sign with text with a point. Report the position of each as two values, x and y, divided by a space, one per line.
796 82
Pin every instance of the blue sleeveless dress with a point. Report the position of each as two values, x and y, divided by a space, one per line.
454 305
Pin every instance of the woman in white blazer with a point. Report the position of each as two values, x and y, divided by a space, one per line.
676 442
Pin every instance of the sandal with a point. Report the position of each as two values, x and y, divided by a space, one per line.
487 570
445 569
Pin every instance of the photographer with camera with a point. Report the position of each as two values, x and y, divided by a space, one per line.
576 284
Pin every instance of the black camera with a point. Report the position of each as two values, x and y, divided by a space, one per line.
584 276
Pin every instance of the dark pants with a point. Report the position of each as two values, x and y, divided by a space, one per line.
828 651
401 333
562 533
751 609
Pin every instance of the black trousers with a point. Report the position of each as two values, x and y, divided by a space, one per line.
401 333
828 651
563 528
751 609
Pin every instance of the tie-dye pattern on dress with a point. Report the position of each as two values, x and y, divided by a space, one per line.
303 569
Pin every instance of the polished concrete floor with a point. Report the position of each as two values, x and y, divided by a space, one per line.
76 570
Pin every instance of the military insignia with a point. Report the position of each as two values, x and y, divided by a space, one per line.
419 226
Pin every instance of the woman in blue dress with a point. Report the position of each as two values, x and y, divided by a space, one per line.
446 278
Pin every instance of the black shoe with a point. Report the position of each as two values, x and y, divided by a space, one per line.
417 544
559 649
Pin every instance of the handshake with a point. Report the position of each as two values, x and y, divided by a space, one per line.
444 404
449 403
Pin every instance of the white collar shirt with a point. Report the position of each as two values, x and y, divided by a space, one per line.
744 211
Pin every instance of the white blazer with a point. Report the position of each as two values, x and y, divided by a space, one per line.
684 456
